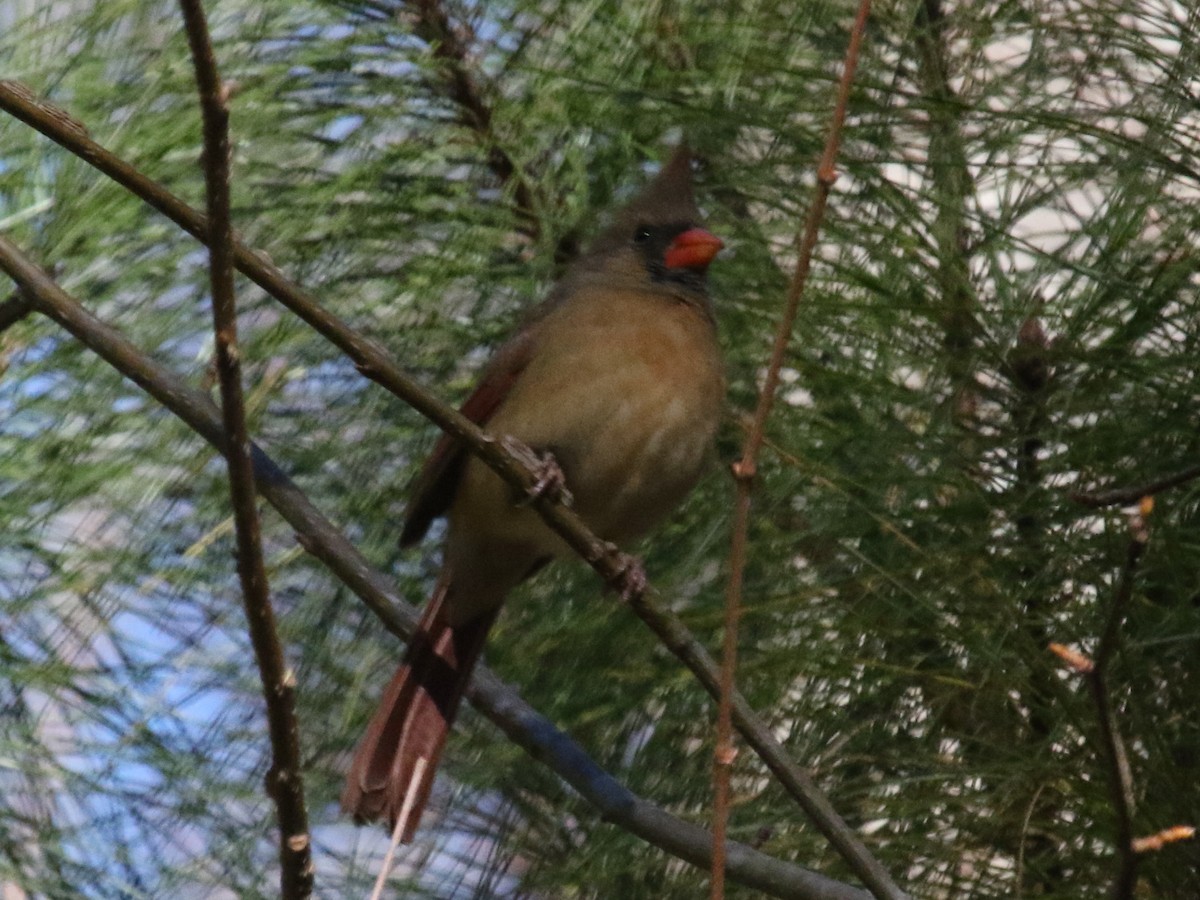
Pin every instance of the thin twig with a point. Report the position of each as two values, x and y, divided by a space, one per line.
1120 776
744 470
385 867
1094 670
377 364
950 178
1125 496
497 701
1031 379
452 47
284 780
1152 843
448 45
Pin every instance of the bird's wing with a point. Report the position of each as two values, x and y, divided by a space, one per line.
435 485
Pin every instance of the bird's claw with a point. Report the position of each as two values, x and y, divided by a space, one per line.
631 583
551 483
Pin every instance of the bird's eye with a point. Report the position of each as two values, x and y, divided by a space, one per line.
641 235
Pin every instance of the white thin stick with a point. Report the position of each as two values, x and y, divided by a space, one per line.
401 822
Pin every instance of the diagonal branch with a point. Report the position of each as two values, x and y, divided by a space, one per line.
284 781
378 365
498 702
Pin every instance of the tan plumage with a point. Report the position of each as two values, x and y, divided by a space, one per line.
619 376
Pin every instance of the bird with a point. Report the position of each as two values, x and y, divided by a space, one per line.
617 379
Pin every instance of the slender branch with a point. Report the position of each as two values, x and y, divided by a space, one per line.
1031 379
1119 775
284 780
839 834
377 364
1154 842
950 178
498 702
1125 496
806 242
452 47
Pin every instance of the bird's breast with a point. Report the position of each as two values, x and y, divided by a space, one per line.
626 392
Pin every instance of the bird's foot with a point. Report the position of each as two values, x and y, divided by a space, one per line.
551 483
632 582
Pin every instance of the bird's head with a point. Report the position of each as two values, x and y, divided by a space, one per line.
657 239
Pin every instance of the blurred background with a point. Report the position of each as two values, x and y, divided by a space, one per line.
1003 310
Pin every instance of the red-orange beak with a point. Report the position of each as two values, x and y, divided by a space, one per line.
694 249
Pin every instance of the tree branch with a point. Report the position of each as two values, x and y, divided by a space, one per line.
950 177
498 702
1120 776
377 364
1111 747
451 46
1031 379
744 470
284 781
1125 496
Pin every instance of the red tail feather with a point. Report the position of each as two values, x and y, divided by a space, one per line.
387 777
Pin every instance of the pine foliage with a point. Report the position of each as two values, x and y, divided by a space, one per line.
1003 313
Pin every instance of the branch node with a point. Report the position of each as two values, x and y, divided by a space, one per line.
744 469
629 575
1157 841
724 756
1137 493
298 843
550 484
1079 663
58 114
232 354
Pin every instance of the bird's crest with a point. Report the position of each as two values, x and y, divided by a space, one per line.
667 199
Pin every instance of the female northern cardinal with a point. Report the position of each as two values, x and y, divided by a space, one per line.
618 376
